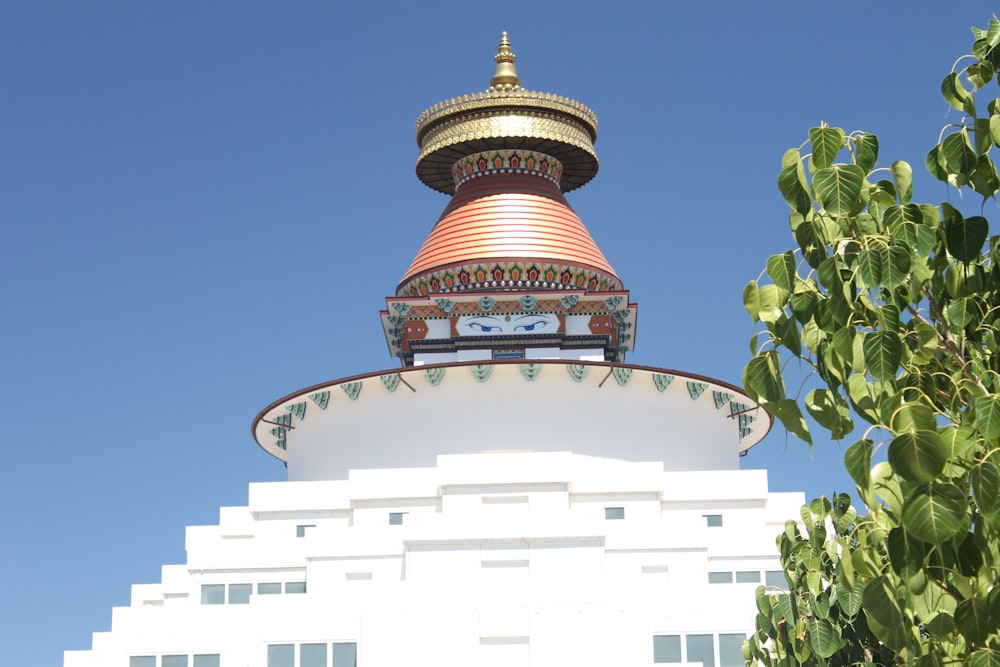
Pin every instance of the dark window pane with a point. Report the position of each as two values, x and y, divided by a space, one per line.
142 661
611 513
213 594
174 661
300 530
240 593
312 655
271 588
666 648
731 651
701 648
775 579
395 518
207 660
281 655
295 587
345 655
713 520
748 577
720 577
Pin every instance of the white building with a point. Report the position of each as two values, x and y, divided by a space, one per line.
547 503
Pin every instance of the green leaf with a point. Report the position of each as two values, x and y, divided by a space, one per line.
866 151
918 456
985 657
995 129
912 417
788 412
985 482
849 596
972 618
933 512
902 176
864 397
824 637
935 164
793 185
803 305
959 158
826 142
762 378
985 179
988 415
838 188
879 600
883 352
858 461
781 269
830 411
956 95
766 303
895 266
870 266
927 342
965 237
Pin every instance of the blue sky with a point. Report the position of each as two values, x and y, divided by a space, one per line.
204 204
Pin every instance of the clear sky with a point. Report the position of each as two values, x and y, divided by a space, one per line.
204 204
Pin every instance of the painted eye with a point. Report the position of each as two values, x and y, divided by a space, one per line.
476 326
540 324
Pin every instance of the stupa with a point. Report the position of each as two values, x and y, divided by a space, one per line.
514 492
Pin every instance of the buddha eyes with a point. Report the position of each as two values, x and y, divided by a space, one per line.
537 325
476 326
487 324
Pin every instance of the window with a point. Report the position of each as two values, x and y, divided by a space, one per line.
396 518
345 654
312 655
174 661
667 648
720 577
775 579
701 648
269 588
207 660
748 577
295 587
142 661
731 650
713 520
281 655
240 593
213 594
613 513
300 530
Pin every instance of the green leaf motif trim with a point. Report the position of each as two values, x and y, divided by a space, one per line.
401 308
352 389
445 305
530 371
662 381
528 302
482 372
284 420
390 382
696 389
434 375
320 398
297 409
486 303
622 375
612 302
569 301
720 398
577 371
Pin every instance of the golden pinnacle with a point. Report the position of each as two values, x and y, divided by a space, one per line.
506 72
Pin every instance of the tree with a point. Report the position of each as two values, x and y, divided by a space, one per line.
894 307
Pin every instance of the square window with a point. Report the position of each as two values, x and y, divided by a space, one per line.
720 577
213 594
174 661
142 661
701 648
312 655
396 518
295 587
345 654
613 513
269 588
775 579
731 650
281 655
240 593
666 648
748 577
300 530
713 520
207 660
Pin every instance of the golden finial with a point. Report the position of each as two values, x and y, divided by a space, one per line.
506 73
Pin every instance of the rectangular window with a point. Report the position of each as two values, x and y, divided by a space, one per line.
720 577
701 648
213 594
748 577
775 579
300 530
613 513
142 661
312 655
508 354
240 593
731 650
666 648
396 518
713 520
269 588
281 655
207 660
295 587
345 654
174 661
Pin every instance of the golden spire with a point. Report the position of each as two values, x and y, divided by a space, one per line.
506 73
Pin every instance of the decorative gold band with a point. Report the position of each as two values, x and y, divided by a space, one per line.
507 161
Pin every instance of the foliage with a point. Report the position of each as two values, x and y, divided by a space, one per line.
894 306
